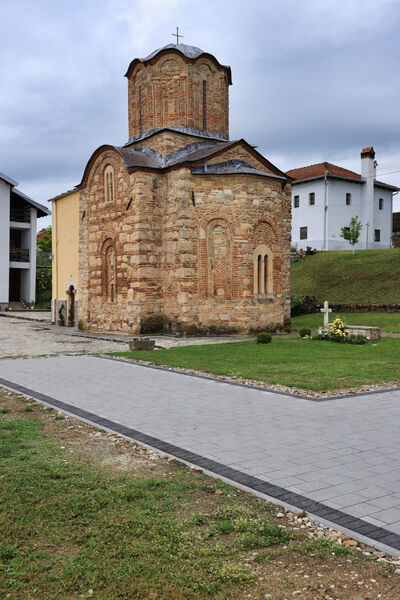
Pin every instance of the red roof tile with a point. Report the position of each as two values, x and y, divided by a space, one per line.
320 169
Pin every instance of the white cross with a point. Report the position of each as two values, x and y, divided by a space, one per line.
326 310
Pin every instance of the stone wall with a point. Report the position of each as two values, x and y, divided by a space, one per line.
179 248
169 91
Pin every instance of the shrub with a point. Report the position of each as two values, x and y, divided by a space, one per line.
152 324
305 331
357 338
264 337
300 305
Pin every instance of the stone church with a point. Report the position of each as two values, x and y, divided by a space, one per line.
182 229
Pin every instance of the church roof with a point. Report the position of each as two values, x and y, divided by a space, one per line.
232 167
143 157
320 169
188 51
192 53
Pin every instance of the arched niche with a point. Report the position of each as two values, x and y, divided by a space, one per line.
219 259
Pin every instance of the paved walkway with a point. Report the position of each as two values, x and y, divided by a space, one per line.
340 454
30 333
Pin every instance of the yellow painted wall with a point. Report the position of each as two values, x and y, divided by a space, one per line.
65 227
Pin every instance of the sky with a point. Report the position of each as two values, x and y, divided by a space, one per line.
313 80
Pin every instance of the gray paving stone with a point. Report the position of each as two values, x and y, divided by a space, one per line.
386 502
341 452
389 515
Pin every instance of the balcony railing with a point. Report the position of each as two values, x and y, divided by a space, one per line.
20 215
19 254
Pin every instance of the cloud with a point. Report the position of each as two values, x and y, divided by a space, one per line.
312 80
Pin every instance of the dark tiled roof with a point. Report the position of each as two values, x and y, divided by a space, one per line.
143 157
188 51
320 169
184 130
231 167
191 53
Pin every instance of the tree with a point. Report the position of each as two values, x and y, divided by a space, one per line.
352 232
44 240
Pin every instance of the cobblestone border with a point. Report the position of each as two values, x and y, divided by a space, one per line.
375 536
249 386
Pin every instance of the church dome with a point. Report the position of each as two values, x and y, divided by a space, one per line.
178 86
188 51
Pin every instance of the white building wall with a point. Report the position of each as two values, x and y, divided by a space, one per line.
32 257
382 219
4 242
338 214
308 216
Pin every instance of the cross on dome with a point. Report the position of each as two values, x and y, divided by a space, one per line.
177 35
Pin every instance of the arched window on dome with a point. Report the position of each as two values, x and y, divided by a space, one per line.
263 271
204 105
109 184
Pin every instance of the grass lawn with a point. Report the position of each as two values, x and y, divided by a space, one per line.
389 322
293 362
89 515
370 276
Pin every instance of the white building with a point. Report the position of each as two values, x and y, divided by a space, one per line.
325 197
18 215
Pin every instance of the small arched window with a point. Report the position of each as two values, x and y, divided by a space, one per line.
109 184
263 275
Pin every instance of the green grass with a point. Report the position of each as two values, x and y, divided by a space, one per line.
389 322
292 362
368 277
67 528
75 523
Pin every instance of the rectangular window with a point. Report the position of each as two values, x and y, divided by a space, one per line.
296 201
303 233
380 203
312 198
377 235
348 199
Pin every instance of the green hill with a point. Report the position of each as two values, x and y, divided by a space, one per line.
368 277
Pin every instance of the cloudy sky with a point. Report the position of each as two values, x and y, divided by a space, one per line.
313 80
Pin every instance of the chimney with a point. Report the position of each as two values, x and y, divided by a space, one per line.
368 168
368 163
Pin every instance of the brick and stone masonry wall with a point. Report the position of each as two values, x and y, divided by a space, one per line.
160 227
170 91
